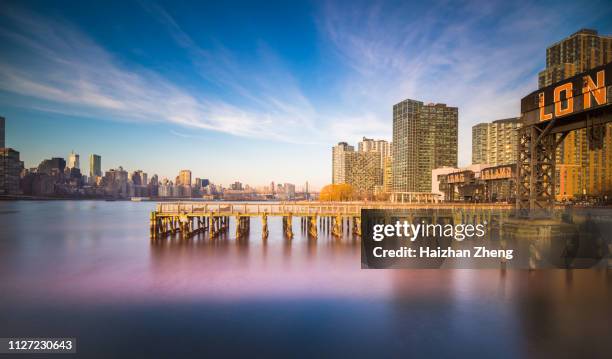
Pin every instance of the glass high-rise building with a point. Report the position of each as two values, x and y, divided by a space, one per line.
95 167
424 138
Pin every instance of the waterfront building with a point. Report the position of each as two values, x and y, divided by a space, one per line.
567 181
480 143
153 186
475 183
364 172
185 191
339 161
388 174
38 184
577 53
154 180
584 159
184 178
136 178
362 169
289 190
73 160
116 182
54 166
495 143
95 168
2 124
10 171
436 176
424 138
384 148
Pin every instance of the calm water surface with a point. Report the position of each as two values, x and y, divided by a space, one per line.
87 269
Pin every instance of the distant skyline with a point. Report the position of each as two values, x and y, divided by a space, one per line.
260 92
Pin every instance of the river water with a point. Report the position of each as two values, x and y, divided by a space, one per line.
87 269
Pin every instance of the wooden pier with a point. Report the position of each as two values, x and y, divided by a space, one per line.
190 218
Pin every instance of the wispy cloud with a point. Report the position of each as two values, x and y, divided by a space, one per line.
54 62
480 56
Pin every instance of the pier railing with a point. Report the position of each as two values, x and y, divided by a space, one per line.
198 209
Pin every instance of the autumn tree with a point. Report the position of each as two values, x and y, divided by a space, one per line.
337 192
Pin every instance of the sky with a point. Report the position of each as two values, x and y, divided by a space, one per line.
260 91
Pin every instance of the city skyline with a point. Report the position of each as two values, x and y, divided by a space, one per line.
234 104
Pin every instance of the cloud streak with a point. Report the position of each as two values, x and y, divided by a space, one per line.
479 56
58 64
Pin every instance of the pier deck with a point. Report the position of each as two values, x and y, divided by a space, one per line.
190 218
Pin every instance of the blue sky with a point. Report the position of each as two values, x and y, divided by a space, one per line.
259 92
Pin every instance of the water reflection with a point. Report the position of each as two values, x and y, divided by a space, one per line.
567 239
91 265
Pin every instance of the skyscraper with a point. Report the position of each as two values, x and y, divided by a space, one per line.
495 143
73 160
339 161
424 138
95 167
2 124
584 159
577 53
10 171
184 178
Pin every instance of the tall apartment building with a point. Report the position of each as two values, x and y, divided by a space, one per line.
480 134
424 138
339 162
577 53
10 171
495 143
584 159
364 171
388 174
384 148
385 151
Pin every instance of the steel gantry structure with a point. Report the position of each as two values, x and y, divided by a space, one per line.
547 116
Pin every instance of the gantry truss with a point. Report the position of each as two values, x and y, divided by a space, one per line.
536 173
548 115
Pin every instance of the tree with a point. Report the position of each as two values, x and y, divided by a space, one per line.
337 192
